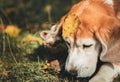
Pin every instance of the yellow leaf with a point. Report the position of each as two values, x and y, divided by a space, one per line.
32 39
70 25
12 30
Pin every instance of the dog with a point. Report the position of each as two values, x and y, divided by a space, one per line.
91 30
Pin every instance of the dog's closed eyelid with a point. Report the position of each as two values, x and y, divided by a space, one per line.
87 46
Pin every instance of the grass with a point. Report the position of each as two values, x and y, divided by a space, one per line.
29 72
24 60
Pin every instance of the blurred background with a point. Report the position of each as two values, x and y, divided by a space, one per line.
34 14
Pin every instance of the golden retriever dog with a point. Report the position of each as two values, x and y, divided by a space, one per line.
91 30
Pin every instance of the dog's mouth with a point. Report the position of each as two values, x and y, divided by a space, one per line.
81 70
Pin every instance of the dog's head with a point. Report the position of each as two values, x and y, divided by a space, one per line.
91 31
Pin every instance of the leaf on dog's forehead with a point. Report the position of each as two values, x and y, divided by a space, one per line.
70 25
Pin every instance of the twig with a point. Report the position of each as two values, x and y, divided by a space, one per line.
5 15
11 50
3 32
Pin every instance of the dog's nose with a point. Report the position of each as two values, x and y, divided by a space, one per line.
73 72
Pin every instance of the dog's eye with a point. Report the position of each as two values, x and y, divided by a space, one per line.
87 46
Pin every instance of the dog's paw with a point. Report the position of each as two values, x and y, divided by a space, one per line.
98 80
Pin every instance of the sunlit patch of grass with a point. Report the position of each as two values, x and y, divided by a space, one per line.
30 72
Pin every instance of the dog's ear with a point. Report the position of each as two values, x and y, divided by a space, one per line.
109 35
111 49
53 35
44 34
110 41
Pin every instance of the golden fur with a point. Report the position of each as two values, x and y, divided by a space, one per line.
97 20
100 20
